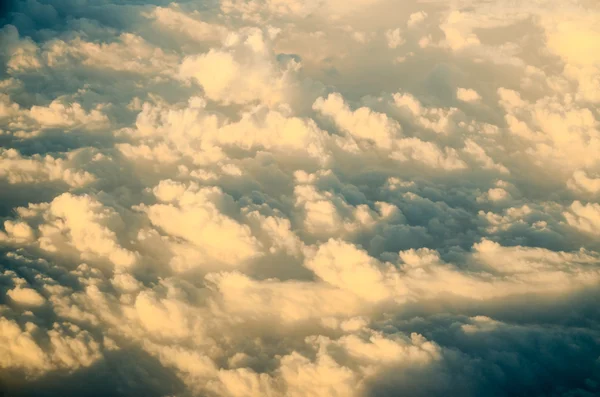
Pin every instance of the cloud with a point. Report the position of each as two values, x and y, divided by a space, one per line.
581 181
361 123
64 350
26 123
347 268
71 222
175 20
243 71
286 198
18 169
201 233
575 39
428 154
394 38
585 217
416 18
333 9
467 95
26 296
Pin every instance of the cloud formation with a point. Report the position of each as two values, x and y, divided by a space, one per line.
300 198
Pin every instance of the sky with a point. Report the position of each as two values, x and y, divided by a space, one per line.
300 198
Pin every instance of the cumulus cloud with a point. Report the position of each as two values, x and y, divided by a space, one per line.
245 70
201 232
583 182
299 198
17 169
467 95
26 296
585 217
361 123
416 18
176 21
394 38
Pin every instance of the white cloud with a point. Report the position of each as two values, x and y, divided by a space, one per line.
60 115
343 266
416 18
427 153
26 296
326 214
129 53
439 120
585 217
481 156
72 222
394 38
23 54
243 71
175 20
542 126
28 123
19 348
275 302
574 38
196 231
20 232
332 9
361 123
582 181
18 169
467 95
63 351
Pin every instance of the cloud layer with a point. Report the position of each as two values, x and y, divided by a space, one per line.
299 199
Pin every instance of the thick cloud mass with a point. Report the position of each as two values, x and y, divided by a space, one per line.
285 198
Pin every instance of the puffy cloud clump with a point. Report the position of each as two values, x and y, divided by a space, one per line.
300 198
361 123
467 95
200 232
17 169
244 71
